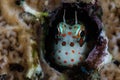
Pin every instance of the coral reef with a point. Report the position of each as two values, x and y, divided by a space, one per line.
110 71
111 20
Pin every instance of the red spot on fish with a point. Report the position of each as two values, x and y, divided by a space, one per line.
65 61
63 43
78 52
63 35
73 51
69 33
81 41
72 44
72 60
66 53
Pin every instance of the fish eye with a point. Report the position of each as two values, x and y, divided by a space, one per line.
82 34
19 2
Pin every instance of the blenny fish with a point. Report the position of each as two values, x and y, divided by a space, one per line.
70 47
